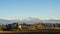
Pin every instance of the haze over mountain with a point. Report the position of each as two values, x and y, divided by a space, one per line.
29 21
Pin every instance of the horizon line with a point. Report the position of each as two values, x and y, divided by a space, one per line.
30 17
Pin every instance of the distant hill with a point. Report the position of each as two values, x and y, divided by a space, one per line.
2 21
51 21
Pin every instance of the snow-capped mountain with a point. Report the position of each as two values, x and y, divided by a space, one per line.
29 21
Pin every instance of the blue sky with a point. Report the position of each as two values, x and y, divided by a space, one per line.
19 9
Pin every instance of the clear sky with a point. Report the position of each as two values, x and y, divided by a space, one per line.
19 9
